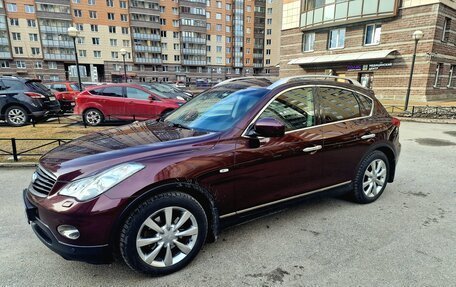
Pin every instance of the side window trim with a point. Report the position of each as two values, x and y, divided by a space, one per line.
249 126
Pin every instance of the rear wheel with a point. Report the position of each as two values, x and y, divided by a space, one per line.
371 178
16 116
93 117
164 234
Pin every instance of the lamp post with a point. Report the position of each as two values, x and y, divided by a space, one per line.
123 52
73 33
417 36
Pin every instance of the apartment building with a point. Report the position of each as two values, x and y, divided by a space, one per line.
183 40
371 40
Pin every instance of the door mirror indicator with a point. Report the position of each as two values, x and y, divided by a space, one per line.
269 127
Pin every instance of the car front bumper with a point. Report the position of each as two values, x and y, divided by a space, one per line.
95 254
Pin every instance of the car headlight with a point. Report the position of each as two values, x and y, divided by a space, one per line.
90 187
180 98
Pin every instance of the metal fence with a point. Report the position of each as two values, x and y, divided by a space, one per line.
431 112
12 147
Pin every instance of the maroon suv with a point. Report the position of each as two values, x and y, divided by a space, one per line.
155 191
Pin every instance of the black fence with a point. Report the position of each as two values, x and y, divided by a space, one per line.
430 112
13 147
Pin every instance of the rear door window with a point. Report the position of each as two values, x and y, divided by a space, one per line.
59 87
295 109
337 104
113 92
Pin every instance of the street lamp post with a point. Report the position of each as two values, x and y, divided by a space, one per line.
123 52
417 36
73 33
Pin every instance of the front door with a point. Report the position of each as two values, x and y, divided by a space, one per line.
141 105
271 169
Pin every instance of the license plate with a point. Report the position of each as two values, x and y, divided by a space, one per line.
52 98
72 104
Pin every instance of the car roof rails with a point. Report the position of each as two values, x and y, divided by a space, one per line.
306 77
237 79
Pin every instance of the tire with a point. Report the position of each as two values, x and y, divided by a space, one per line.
93 117
149 240
371 177
17 116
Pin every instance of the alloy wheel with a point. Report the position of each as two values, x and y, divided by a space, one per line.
167 236
93 117
17 116
374 178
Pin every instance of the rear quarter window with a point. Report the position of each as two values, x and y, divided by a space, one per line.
365 105
12 85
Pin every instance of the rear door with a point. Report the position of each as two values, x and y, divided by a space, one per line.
271 169
348 131
141 104
110 100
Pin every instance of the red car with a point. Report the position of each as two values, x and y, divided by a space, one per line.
65 92
122 102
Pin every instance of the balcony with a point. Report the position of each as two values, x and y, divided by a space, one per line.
2 26
144 24
347 12
257 56
143 36
54 30
193 3
150 49
4 42
193 63
145 11
258 65
53 15
59 57
148 60
5 55
57 43
194 40
198 52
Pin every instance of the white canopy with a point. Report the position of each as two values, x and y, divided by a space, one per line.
346 57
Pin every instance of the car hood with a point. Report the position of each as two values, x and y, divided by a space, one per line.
134 142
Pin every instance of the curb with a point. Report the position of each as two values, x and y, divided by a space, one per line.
17 164
425 120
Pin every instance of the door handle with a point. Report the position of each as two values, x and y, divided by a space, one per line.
369 136
311 149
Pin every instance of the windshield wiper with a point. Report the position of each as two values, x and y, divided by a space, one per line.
176 125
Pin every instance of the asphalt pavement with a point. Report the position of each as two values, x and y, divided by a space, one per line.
406 238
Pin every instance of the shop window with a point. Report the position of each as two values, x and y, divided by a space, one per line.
336 38
438 75
446 30
308 42
372 34
366 79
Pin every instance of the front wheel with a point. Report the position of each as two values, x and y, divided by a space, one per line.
163 234
371 178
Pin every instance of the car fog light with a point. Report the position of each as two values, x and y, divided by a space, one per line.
68 231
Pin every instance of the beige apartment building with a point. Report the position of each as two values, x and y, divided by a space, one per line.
184 40
371 41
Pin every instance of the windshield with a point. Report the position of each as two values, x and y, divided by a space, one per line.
217 109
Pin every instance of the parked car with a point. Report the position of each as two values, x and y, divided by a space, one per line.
122 102
180 85
65 92
23 99
154 191
166 91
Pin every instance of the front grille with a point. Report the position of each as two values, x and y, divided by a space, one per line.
43 181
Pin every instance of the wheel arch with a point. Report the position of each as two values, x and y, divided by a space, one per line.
7 106
388 150
191 188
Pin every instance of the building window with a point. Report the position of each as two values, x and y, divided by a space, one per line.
18 50
38 65
125 30
438 75
77 13
91 2
4 64
126 43
21 65
372 34
97 54
33 37
111 16
446 30
80 27
123 4
94 28
82 53
112 29
113 42
452 77
11 7
123 17
336 38
96 41
110 3
366 79
35 51
93 14
308 42
14 22
115 55
29 9
16 36
52 65
31 23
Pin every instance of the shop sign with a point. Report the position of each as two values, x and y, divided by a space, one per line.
369 67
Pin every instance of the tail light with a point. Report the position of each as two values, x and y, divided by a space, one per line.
396 122
35 95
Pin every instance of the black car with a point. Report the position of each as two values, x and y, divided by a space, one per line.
23 99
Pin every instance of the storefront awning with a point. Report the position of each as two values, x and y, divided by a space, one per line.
348 57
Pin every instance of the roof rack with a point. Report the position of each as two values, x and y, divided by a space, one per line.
304 77
236 80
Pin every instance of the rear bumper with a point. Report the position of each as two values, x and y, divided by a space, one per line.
100 254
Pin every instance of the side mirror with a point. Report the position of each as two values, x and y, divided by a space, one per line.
269 127
151 98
